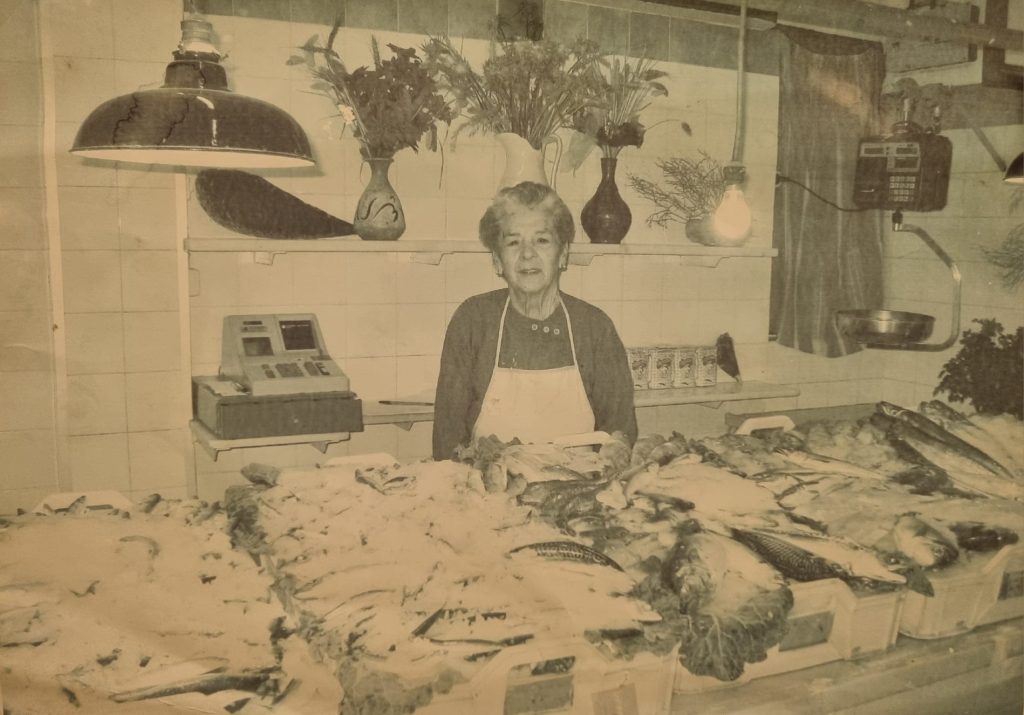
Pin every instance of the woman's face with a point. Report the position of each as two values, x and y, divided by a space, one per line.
529 253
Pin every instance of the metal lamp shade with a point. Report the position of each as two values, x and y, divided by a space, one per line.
193 127
194 120
1015 173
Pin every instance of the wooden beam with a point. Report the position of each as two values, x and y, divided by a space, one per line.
866 20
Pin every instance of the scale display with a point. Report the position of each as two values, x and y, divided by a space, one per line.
278 355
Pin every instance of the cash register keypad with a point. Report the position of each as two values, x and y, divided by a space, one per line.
288 369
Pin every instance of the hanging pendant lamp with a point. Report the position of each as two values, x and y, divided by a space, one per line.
193 119
1015 172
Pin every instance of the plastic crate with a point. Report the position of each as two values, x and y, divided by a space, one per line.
828 622
568 677
986 590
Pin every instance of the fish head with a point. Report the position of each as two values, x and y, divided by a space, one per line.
890 410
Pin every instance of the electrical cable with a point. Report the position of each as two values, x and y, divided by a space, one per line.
780 179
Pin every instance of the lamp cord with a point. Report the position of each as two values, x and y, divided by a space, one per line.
740 54
780 179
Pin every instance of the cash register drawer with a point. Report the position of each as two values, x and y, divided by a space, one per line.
231 414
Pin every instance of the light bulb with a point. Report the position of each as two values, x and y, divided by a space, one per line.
731 220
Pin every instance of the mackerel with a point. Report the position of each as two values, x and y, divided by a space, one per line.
791 561
964 472
846 560
958 424
826 465
568 551
937 433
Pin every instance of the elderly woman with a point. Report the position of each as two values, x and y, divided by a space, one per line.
529 361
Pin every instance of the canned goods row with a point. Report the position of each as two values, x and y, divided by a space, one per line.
662 367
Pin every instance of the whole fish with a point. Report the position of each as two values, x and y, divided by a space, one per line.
975 536
958 424
844 559
963 471
568 551
939 434
825 465
922 542
791 561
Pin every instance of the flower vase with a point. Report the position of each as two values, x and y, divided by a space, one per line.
379 214
699 231
606 217
523 162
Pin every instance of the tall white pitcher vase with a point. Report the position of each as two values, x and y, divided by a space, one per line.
524 163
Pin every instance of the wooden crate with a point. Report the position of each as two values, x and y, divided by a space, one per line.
986 590
828 622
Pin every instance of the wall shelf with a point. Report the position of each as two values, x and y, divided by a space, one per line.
264 249
404 416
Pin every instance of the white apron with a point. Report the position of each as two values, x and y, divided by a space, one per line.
534 405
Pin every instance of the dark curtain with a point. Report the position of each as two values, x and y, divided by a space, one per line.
828 260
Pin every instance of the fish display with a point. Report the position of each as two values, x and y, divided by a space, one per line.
963 470
938 434
568 551
975 536
826 465
959 424
922 542
806 557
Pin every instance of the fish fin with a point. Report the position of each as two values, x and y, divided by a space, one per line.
918 581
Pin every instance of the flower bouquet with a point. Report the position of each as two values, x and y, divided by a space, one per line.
526 88
390 107
694 190
614 123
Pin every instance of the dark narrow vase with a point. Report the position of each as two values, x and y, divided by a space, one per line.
606 217
379 214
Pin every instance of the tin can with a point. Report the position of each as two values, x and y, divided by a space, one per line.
706 366
662 366
640 366
684 372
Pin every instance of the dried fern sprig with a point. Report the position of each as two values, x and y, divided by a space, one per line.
1009 257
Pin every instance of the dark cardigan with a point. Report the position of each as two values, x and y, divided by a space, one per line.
467 362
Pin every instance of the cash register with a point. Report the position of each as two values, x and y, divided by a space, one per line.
276 378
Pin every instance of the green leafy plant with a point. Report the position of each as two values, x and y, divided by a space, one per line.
1009 257
526 88
692 189
987 371
627 88
390 106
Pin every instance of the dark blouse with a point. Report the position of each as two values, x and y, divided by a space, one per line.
467 361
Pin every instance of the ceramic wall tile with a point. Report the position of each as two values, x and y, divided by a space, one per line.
372 378
88 218
416 443
213 485
80 29
143 390
20 152
318 12
151 35
32 395
94 343
92 281
371 330
468 274
640 323
96 404
99 462
470 18
80 85
602 279
261 285
423 17
369 278
564 21
20 85
420 329
649 36
375 439
217 277
417 376
157 459
150 280
463 220
605 27
418 282
27 343
72 170
373 14
22 209
28 464
19 31
320 278
147 219
152 342
25 287
468 176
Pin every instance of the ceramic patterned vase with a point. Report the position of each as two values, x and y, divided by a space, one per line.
699 231
606 217
379 215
